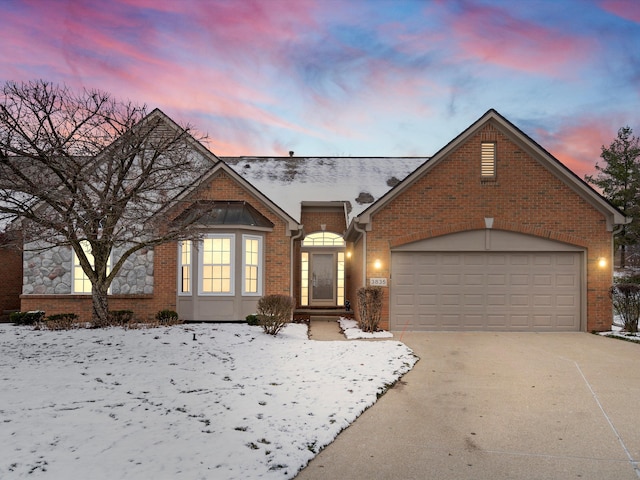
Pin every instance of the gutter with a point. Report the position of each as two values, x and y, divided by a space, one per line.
364 251
292 260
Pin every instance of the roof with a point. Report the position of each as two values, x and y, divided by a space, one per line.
211 213
289 181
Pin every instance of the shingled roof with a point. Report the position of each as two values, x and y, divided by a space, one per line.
288 181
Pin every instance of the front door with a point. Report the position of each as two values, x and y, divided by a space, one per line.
323 272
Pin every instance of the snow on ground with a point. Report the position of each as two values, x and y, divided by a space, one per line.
352 331
157 403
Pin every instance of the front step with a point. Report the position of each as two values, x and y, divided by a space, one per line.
333 313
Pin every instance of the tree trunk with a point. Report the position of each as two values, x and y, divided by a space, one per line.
623 256
100 313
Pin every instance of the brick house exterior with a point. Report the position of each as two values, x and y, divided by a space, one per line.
531 194
491 206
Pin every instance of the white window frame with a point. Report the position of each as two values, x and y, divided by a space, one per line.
75 266
232 266
258 265
185 261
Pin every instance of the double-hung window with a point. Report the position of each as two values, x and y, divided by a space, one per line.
217 254
186 270
252 265
80 281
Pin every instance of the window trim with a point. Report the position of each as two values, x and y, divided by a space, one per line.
259 266
488 163
232 265
182 264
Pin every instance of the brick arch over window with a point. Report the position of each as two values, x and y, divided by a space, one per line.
497 225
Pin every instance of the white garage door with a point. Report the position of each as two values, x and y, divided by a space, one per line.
485 291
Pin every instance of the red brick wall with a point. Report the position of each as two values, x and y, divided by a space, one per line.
11 271
525 198
334 221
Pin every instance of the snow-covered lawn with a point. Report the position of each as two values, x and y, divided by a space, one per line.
159 404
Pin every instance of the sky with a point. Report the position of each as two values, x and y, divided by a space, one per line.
346 77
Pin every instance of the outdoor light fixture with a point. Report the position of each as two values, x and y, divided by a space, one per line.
602 262
349 254
377 264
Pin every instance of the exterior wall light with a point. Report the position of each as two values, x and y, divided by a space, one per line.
602 262
377 264
349 254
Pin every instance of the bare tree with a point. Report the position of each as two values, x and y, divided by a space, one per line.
86 169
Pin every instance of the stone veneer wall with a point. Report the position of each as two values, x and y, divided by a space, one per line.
48 272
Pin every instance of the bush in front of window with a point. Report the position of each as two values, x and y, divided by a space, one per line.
274 312
369 308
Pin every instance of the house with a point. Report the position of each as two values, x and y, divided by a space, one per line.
490 233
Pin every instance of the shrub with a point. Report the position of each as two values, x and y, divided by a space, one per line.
626 303
27 318
252 319
120 317
167 317
369 308
59 321
274 312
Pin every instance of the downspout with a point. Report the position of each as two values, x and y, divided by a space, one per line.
364 251
292 260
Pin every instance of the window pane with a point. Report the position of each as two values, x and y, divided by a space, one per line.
216 265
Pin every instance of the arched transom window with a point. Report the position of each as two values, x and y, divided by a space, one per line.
323 239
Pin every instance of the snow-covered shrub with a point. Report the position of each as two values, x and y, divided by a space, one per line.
626 303
252 319
369 308
274 312
120 317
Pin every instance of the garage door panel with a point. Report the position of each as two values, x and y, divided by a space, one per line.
542 321
499 291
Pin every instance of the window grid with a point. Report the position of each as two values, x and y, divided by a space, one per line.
251 265
216 265
304 280
323 239
340 279
185 267
81 283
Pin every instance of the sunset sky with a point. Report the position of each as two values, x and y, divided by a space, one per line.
346 77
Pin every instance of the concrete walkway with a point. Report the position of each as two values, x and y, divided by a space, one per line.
499 406
325 329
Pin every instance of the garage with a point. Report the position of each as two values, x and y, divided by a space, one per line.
486 280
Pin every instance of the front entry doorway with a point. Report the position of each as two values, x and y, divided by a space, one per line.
322 270
323 285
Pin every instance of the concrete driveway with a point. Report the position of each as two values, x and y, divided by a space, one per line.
499 406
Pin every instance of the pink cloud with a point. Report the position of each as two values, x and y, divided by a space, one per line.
627 9
578 146
495 36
